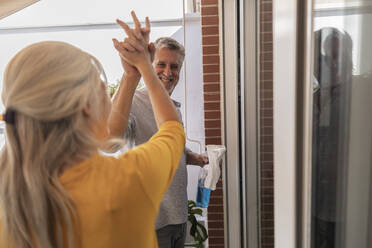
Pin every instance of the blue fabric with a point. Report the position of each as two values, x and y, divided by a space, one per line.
202 197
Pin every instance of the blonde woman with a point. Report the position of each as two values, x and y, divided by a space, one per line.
56 190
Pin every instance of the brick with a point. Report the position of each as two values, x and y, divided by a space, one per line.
267 57
217 240
267 157
266 131
267 46
267 207
211 78
267 123
213 59
267 240
212 124
267 66
267 216
215 208
267 232
212 132
215 224
212 97
212 115
267 27
210 40
210 20
209 10
266 183
211 87
267 174
209 50
266 191
212 106
267 165
267 180
267 75
215 216
267 85
266 17
207 2
210 30
266 112
213 141
266 37
268 199
215 232
267 94
267 246
268 146
211 68
268 223
266 7
266 149
267 104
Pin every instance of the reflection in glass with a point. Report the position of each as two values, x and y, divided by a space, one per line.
332 70
342 125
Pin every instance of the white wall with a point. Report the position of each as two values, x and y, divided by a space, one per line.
193 111
359 164
285 25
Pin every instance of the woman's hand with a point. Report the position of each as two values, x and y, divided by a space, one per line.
134 50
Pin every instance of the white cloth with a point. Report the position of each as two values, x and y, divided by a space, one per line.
213 171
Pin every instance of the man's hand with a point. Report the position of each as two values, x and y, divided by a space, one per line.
196 159
134 46
130 70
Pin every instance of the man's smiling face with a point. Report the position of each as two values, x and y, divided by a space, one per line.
167 67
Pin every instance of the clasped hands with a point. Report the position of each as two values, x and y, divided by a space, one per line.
135 50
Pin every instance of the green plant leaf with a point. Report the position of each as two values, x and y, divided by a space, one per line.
197 230
204 234
191 204
197 211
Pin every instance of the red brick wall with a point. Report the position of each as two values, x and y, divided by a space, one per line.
212 107
266 124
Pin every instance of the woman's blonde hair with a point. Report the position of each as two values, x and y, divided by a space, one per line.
47 85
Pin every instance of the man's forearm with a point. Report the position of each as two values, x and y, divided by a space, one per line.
193 158
121 105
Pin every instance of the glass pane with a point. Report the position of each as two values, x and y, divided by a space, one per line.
342 124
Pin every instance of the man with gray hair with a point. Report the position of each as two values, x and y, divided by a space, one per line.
170 224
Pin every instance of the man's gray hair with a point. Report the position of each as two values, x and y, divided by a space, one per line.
171 44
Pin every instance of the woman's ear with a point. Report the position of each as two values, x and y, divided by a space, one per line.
87 111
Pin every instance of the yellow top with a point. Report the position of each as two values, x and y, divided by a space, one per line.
117 199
